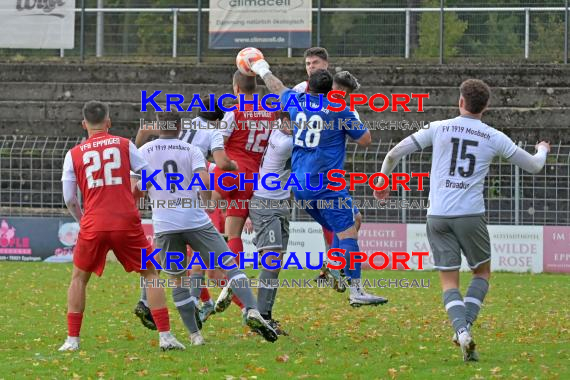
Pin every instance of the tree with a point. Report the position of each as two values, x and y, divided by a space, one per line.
428 28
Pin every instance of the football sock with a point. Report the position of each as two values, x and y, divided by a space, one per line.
354 286
186 305
196 281
272 301
265 296
74 324
161 319
241 288
455 308
143 296
205 295
236 246
474 298
350 245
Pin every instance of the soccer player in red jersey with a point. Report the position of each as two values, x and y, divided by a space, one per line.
101 166
246 146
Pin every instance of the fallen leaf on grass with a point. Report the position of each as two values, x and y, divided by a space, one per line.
282 358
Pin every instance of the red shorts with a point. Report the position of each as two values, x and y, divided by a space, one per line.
91 249
240 206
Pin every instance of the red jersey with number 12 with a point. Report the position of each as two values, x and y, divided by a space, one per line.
246 144
102 168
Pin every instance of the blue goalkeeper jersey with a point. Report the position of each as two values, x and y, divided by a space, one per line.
319 141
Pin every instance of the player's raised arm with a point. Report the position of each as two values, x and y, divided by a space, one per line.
507 149
69 184
274 84
528 162
419 140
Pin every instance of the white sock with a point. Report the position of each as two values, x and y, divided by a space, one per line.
74 339
355 282
164 334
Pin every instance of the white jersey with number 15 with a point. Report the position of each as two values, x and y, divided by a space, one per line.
463 149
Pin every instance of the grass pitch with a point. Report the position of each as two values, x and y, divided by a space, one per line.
523 332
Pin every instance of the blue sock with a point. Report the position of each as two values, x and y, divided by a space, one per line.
336 244
351 245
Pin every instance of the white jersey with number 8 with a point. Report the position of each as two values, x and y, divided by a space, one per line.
177 211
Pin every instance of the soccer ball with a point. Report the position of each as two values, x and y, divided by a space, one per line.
245 57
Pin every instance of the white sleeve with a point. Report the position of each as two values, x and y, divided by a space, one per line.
424 137
504 145
301 87
136 158
68 173
404 147
69 188
228 124
216 140
197 160
528 162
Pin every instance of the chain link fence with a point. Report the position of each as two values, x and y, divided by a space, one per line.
413 30
31 166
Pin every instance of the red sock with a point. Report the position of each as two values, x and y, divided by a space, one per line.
236 246
74 323
205 295
161 319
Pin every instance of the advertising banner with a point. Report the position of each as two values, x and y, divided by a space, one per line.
516 248
260 23
513 248
387 238
556 249
37 239
303 237
37 24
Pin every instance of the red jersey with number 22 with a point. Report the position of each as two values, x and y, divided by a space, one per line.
102 168
246 144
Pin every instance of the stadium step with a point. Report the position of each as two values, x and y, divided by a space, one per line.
530 102
55 118
533 97
374 75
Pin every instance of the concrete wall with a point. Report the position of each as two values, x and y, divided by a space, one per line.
529 102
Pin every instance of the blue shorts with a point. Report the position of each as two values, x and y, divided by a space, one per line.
339 217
